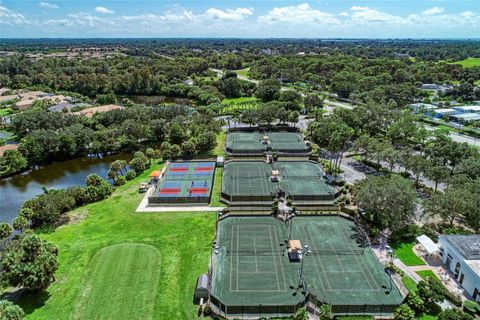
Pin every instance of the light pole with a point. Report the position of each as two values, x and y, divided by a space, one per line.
301 281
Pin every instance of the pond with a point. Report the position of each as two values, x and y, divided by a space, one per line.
16 189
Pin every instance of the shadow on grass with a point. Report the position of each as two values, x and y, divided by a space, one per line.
29 301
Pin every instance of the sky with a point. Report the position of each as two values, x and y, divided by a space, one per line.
240 19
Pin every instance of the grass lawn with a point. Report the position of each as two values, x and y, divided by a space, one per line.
112 270
354 318
239 100
181 239
217 189
405 253
468 63
427 273
409 283
242 72
220 148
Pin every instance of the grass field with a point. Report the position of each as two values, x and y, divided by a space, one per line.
468 63
112 270
182 240
409 283
427 273
405 253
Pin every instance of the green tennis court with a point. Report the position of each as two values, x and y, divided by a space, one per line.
252 271
253 142
299 179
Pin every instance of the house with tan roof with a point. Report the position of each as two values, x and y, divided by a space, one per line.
89 112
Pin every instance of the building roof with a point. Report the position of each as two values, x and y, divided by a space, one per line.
467 245
428 244
423 105
7 147
59 107
468 108
467 116
445 110
89 112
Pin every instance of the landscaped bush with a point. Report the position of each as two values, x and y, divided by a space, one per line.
471 307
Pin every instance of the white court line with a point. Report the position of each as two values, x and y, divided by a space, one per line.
281 264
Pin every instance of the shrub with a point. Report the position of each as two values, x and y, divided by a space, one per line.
10 311
130 175
120 181
404 313
454 314
207 311
471 307
415 302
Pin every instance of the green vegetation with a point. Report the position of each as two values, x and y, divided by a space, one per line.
111 271
239 100
409 283
217 189
220 147
181 238
468 63
5 112
242 72
405 253
427 273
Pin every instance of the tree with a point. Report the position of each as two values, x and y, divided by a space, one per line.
415 302
416 164
30 262
10 311
301 314
5 231
140 162
326 312
20 223
150 153
267 90
177 134
165 150
437 173
389 202
188 148
293 117
449 205
453 314
14 161
312 102
404 313
431 290
130 175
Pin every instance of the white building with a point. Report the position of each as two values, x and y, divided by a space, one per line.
461 256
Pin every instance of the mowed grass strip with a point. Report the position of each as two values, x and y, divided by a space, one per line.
121 283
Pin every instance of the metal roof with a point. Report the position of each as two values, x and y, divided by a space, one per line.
467 245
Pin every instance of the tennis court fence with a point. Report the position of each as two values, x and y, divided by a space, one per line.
162 200
311 302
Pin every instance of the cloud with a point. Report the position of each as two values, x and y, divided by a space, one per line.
301 14
103 10
48 5
467 14
343 14
366 15
229 14
12 18
433 11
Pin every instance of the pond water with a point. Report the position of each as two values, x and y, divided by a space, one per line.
16 189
